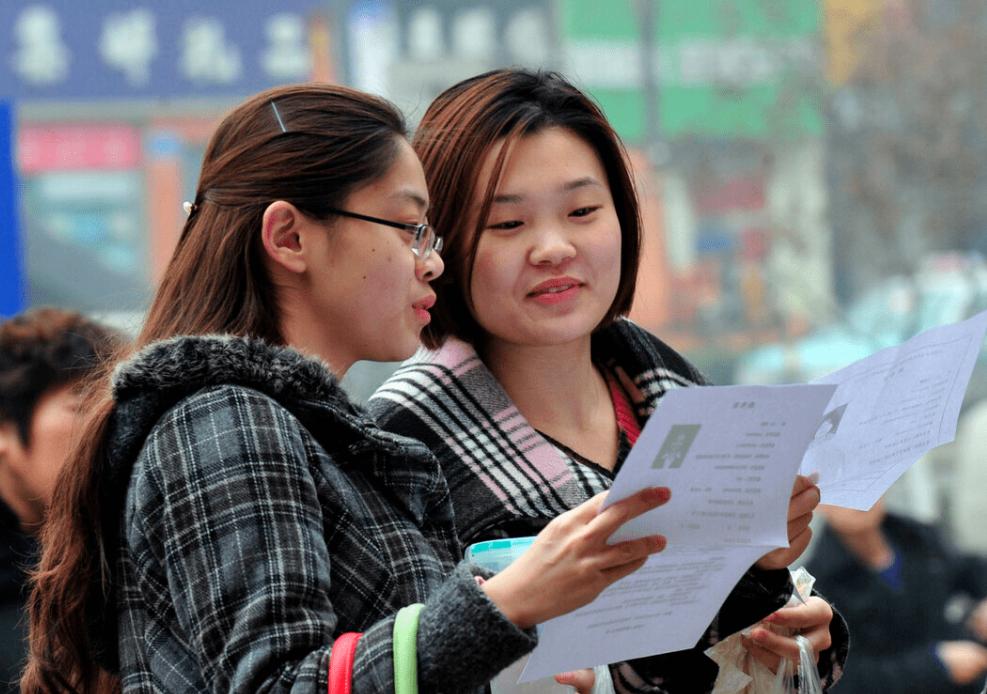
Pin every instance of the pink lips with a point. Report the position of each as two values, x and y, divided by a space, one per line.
555 290
421 308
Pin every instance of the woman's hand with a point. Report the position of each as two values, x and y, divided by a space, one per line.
804 499
977 622
580 680
570 562
966 661
811 620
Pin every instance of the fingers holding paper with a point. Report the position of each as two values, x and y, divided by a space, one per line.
570 562
582 681
803 501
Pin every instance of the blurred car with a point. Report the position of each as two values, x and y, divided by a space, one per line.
947 288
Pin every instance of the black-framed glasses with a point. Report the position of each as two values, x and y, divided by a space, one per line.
425 240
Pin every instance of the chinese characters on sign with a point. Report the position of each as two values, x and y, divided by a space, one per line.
129 44
109 48
40 57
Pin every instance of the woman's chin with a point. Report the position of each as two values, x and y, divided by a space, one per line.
397 352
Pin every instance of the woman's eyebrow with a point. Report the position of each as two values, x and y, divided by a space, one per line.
508 198
581 183
412 196
517 198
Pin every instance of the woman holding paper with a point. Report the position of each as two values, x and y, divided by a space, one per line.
537 387
229 514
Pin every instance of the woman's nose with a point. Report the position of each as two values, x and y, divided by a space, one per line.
552 246
430 267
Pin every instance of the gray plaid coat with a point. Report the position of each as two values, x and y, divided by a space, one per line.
507 479
263 515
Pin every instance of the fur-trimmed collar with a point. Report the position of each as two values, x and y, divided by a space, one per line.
190 363
154 379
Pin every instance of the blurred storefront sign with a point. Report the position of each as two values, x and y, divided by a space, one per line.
724 68
11 286
182 48
66 147
87 249
413 51
725 95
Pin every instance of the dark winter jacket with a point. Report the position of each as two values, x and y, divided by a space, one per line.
18 552
896 629
263 516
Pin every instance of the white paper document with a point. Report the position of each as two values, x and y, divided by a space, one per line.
730 455
889 409
662 607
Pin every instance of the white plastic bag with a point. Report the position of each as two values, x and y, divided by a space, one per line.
741 673
801 679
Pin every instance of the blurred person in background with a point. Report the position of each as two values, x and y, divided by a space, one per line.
230 513
537 386
46 355
892 578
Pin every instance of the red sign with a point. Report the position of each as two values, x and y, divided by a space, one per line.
738 194
58 147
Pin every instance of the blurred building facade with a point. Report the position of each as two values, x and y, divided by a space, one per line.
114 104
791 154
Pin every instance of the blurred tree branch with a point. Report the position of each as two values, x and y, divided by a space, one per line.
906 143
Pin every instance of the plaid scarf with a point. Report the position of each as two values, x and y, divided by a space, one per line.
502 473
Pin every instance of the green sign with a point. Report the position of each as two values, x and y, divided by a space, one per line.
724 68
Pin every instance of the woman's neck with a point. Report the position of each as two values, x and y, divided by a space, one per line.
870 547
560 392
304 330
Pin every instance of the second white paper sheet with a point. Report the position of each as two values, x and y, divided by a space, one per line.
889 409
664 606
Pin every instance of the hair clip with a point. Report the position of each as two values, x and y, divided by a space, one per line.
190 208
277 115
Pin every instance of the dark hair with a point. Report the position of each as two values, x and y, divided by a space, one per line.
457 133
44 349
310 145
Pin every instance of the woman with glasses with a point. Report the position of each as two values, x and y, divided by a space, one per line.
537 386
228 513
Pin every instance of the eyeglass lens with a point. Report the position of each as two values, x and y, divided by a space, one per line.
425 241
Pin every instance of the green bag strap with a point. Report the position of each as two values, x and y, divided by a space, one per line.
405 642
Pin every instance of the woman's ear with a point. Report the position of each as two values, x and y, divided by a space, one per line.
7 433
282 237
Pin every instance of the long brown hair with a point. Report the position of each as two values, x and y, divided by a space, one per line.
455 136
310 145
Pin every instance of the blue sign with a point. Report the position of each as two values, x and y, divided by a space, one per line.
11 275
181 48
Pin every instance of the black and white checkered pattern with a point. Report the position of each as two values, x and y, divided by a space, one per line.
264 515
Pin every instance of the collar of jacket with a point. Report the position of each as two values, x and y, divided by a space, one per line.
183 365
645 366
154 379
500 469
831 560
